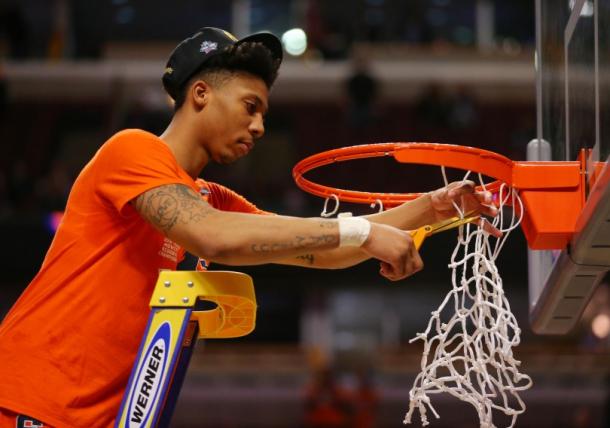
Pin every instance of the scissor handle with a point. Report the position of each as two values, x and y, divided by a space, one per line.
420 234
423 232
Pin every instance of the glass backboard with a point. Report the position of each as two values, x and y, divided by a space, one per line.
572 84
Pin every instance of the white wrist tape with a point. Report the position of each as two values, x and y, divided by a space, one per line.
353 231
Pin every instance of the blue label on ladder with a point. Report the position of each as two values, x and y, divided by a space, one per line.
146 387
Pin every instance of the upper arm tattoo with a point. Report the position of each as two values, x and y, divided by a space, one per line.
171 204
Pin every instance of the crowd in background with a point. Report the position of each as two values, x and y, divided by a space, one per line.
44 145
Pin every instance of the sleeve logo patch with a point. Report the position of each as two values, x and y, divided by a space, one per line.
27 422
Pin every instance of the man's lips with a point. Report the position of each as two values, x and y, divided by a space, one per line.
246 144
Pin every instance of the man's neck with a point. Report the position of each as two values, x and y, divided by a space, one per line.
189 154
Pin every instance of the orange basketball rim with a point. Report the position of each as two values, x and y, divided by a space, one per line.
553 193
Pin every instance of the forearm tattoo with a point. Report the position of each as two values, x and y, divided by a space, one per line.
301 242
308 258
168 205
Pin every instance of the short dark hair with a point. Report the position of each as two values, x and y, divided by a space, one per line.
250 57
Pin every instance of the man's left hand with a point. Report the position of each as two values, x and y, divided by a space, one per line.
464 195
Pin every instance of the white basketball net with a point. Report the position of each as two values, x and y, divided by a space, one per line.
469 339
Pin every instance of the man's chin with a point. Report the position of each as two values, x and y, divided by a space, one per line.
227 159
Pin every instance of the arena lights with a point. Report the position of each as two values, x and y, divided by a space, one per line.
295 41
587 8
601 326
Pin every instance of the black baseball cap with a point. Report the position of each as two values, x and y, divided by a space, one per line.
193 52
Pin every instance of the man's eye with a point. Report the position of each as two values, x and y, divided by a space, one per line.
251 107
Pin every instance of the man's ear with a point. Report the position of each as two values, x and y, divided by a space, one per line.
200 94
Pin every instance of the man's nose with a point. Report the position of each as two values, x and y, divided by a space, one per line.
257 126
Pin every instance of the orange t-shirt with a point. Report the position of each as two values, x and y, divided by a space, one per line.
68 344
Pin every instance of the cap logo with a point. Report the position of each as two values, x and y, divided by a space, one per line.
207 47
169 70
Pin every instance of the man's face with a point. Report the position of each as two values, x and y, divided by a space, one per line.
234 116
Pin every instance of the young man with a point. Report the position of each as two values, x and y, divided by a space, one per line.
68 344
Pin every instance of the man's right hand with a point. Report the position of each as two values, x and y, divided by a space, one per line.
394 249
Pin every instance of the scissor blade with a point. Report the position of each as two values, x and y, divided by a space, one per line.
451 223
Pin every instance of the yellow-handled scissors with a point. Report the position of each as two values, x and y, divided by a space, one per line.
419 235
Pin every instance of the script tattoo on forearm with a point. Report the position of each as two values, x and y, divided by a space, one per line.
302 242
167 205
298 243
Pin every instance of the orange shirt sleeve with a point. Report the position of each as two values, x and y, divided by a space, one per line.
133 162
226 199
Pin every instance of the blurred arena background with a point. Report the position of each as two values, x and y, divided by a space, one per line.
331 347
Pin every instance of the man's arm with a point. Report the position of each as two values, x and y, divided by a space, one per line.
427 209
437 206
407 216
240 239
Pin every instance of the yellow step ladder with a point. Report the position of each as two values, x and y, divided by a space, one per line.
174 325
